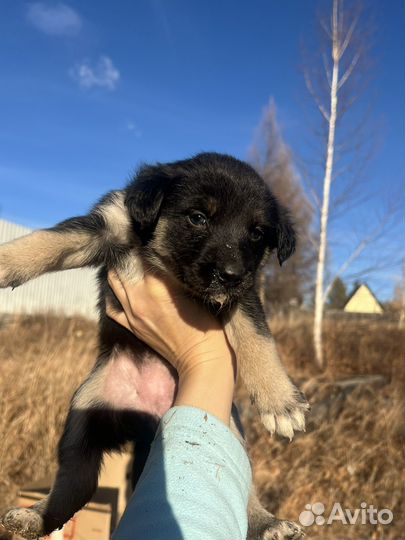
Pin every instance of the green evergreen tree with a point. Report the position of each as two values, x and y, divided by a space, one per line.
337 296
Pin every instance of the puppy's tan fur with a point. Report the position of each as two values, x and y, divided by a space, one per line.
82 242
259 364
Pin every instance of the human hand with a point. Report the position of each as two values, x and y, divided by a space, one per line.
158 312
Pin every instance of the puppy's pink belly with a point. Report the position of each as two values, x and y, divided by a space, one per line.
149 387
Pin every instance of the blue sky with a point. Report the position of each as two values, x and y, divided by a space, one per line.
91 89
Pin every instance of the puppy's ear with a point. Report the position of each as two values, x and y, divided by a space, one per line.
282 234
286 237
145 195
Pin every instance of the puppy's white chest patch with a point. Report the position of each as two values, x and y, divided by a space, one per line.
149 387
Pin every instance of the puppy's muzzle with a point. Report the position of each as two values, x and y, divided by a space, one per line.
230 274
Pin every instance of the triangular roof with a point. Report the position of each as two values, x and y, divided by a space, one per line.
369 290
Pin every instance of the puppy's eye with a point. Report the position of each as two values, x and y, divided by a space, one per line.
197 219
256 234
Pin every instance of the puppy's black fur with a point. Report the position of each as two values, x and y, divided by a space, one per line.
206 221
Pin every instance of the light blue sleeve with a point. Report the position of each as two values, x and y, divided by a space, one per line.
195 485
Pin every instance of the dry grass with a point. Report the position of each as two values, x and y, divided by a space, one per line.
350 457
356 453
42 361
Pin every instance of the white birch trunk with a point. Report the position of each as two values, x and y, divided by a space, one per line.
401 322
320 270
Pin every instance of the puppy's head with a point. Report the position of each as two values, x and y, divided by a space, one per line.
209 221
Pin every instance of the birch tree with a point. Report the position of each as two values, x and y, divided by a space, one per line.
340 60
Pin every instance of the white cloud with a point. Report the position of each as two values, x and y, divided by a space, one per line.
57 20
133 128
103 74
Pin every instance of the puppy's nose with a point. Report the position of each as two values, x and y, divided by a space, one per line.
230 274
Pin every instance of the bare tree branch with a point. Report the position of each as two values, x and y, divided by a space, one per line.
326 28
373 269
355 255
318 103
349 70
346 41
327 70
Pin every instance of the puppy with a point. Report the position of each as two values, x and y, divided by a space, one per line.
209 222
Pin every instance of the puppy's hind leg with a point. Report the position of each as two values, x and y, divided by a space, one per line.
79 454
261 524
75 483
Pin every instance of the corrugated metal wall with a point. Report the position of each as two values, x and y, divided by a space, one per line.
71 292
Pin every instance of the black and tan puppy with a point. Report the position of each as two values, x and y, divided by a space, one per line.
207 221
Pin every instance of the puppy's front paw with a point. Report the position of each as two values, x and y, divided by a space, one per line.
288 415
8 271
25 522
283 530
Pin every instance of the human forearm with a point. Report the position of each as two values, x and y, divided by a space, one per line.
209 386
195 484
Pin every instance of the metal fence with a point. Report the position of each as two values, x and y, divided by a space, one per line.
71 292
